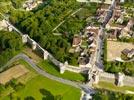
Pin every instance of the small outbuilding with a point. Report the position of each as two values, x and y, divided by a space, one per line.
77 40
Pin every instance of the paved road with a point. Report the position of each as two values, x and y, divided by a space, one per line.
101 36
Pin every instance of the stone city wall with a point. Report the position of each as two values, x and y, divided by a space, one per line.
111 78
107 77
73 69
47 55
128 81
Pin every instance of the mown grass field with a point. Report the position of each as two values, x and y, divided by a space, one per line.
33 87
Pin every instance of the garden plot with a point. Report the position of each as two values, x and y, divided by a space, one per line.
13 73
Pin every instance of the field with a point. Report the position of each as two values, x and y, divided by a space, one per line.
114 49
12 73
34 86
39 88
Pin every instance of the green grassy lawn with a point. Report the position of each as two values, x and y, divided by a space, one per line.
33 87
5 92
35 84
113 87
52 69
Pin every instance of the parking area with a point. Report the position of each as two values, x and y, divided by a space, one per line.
114 49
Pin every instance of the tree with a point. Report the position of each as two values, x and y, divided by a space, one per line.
29 98
10 45
46 95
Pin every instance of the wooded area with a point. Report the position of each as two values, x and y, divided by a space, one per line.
10 45
109 95
40 23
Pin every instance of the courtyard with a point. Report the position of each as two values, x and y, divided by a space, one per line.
114 49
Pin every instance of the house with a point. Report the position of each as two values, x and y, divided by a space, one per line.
125 51
126 31
113 34
120 20
90 34
128 53
78 49
101 13
83 60
91 29
130 24
77 40
131 53
101 18
90 40
92 49
30 4
92 45
116 15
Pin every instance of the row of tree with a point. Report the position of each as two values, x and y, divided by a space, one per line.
129 40
109 95
125 67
